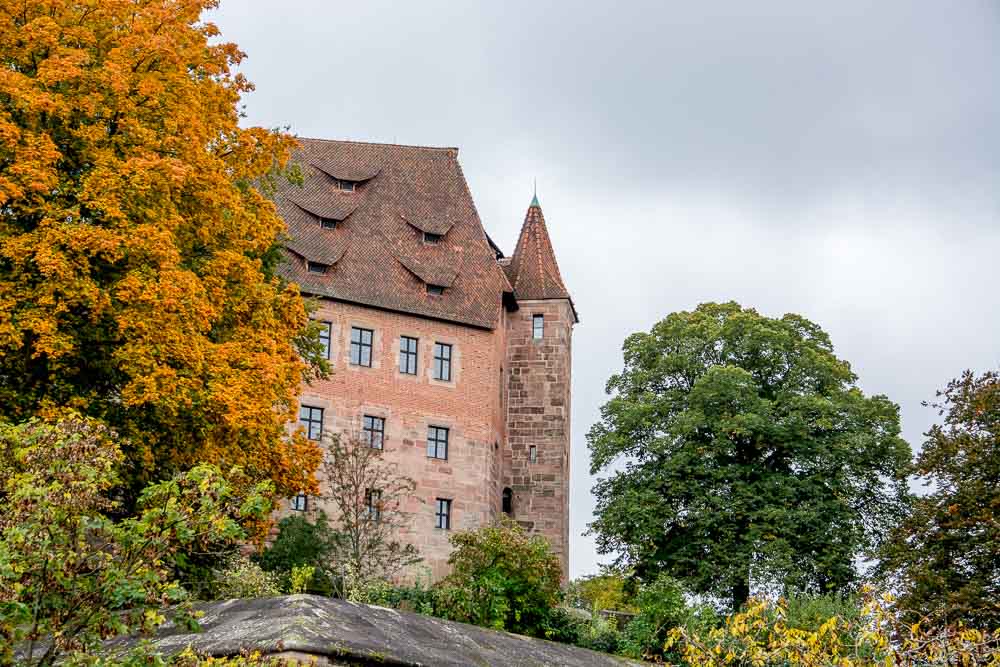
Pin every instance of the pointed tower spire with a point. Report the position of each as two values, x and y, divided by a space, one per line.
534 271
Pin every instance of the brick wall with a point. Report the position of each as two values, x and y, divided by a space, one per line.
470 406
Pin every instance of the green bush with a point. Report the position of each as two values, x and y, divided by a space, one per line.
600 635
584 629
372 591
73 571
501 578
243 578
661 607
809 612
299 543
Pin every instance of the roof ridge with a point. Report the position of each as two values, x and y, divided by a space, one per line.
379 143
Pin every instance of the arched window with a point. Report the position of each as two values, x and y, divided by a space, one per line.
508 502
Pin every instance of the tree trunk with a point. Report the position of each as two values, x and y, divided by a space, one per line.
741 593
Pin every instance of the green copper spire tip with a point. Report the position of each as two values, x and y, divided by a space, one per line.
534 201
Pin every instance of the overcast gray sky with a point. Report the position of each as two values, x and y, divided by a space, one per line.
839 160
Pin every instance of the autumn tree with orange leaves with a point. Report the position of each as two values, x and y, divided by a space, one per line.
138 244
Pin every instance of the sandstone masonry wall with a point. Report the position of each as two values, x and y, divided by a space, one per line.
538 414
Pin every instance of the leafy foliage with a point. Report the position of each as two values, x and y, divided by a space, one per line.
71 574
369 493
602 591
945 557
136 253
243 578
303 543
501 578
661 608
740 450
762 636
300 579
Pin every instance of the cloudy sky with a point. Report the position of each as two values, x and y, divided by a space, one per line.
839 160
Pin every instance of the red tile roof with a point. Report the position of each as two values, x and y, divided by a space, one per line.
377 252
533 270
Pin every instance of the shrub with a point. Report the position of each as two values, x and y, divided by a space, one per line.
300 578
372 591
762 636
243 578
68 570
584 629
661 607
600 634
418 596
810 612
501 578
299 543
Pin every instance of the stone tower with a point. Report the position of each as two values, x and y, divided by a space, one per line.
539 348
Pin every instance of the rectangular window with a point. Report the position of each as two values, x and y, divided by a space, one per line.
373 431
436 290
373 504
442 514
324 338
328 223
442 362
532 453
311 419
346 186
437 442
537 326
431 238
300 503
361 346
408 355
316 267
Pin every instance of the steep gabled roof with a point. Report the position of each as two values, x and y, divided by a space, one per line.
377 252
532 269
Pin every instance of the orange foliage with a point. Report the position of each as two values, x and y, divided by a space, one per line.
137 244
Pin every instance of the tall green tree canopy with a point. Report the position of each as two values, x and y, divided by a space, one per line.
945 557
739 451
136 255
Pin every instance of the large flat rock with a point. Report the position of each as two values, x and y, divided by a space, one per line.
338 632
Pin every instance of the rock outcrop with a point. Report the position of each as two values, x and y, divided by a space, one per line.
335 632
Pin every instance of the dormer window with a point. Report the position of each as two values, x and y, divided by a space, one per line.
328 223
436 290
316 267
433 239
344 186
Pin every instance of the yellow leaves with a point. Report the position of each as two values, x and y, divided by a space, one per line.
759 636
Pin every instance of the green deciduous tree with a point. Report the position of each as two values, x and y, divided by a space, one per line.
69 574
945 557
501 578
740 452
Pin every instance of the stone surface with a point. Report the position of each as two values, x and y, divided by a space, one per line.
538 416
336 632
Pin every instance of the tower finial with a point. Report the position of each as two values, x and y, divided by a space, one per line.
534 198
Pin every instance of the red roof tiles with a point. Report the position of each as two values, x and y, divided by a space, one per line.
377 250
533 270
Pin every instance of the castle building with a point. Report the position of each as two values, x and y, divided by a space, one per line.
452 357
